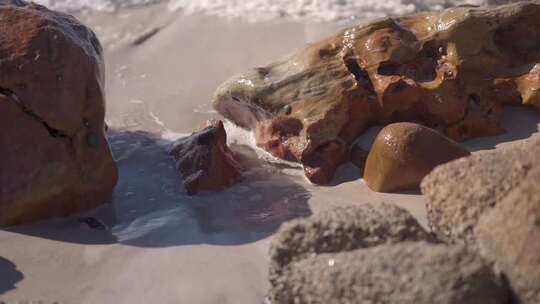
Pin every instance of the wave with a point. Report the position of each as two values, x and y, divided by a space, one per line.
257 10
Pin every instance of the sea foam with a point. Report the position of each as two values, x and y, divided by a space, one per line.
258 10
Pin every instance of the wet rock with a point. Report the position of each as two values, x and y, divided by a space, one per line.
404 153
452 70
342 229
54 157
509 235
410 272
204 160
460 192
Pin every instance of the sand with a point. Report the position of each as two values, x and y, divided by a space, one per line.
162 246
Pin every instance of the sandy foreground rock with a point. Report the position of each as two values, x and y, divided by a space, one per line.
509 235
54 157
452 70
404 153
342 229
460 192
204 160
410 272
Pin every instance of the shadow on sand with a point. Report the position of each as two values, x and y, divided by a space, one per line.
151 209
9 275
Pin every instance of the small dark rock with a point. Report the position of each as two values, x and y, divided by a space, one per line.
204 160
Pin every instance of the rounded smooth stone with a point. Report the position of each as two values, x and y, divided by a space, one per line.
54 156
404 153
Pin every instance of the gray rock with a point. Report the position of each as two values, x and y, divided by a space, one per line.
343 229
417 272
509 235
459 192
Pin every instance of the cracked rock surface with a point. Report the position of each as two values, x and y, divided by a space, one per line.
54 157
452 71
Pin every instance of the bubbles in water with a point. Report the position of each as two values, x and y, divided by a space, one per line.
257 10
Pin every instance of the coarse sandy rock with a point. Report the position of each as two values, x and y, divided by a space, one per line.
342 229
404 153
54 157
460 192
409 272
509 235
204 160
452 70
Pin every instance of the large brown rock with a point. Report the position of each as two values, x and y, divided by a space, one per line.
404 273
204 160
509 235
54 157
404 153
452 70
342 229
460 192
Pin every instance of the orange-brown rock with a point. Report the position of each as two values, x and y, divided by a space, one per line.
451 70
404 153
529 87
204 160
54 157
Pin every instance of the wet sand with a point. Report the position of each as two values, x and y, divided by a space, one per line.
160 245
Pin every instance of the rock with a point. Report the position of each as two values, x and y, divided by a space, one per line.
529 86
204 160
410 272
358 156
54 157
342 229
404 153
452 70
458 193
509 235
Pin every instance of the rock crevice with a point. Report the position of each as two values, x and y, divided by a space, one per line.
11 96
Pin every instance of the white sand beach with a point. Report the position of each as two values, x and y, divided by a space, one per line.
160 245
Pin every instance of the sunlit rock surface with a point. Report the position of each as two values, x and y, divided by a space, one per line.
451 70
404 153
459 193
342 229
54 157
408 272
509 235
204 160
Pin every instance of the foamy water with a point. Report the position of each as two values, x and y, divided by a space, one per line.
256 10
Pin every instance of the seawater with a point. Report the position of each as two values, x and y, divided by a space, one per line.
257 10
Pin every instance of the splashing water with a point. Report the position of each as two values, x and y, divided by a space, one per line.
257 10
